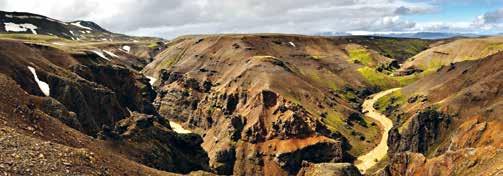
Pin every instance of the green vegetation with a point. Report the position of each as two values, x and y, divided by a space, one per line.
153 45
360 56
394 99
30 37
362 139
321 77
493 48
385 81
399 49
167 63
334 120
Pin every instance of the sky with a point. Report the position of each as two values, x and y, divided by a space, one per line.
171 18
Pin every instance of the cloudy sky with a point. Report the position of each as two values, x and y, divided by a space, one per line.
170 18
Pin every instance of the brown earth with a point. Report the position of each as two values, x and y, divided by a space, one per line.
241 91
258 104
450 122
89 97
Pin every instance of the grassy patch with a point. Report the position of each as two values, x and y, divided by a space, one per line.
336 123
399 49
360 55
385 81
153 45
30 37
379 79
394 99
319 77
493 48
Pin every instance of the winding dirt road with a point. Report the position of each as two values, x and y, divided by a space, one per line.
365 162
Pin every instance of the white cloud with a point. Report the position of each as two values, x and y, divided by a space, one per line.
178 17
492 20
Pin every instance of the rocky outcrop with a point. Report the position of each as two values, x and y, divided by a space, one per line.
468 161
422 134
224 161
155 144
316 153
328 169
94 105
132 89
54 108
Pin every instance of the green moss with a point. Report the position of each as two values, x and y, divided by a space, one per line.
319 77
360 55
31 37
153 45
377 78
385 81
167 63
399 49
393 99
495 47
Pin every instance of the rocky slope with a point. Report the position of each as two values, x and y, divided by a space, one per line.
448 123
84 108
265 102
78 99
452 51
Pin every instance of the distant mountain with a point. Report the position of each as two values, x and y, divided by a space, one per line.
429 35
420 35
333 34
28 23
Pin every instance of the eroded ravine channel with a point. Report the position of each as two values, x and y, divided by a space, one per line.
370 159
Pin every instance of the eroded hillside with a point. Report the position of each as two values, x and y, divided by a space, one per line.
448 123
264 103
78 99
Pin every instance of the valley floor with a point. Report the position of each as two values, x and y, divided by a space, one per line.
367 161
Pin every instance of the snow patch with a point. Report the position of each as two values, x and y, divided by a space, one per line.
57 43
126 48
72 33
110 53
100 53
152 80
20 27
44 87
80 25
178 128
292 44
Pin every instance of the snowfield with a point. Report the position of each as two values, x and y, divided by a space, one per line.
126 48
152 80
44 87
178 128
13 27
80 26
99 53
110 53
292 44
